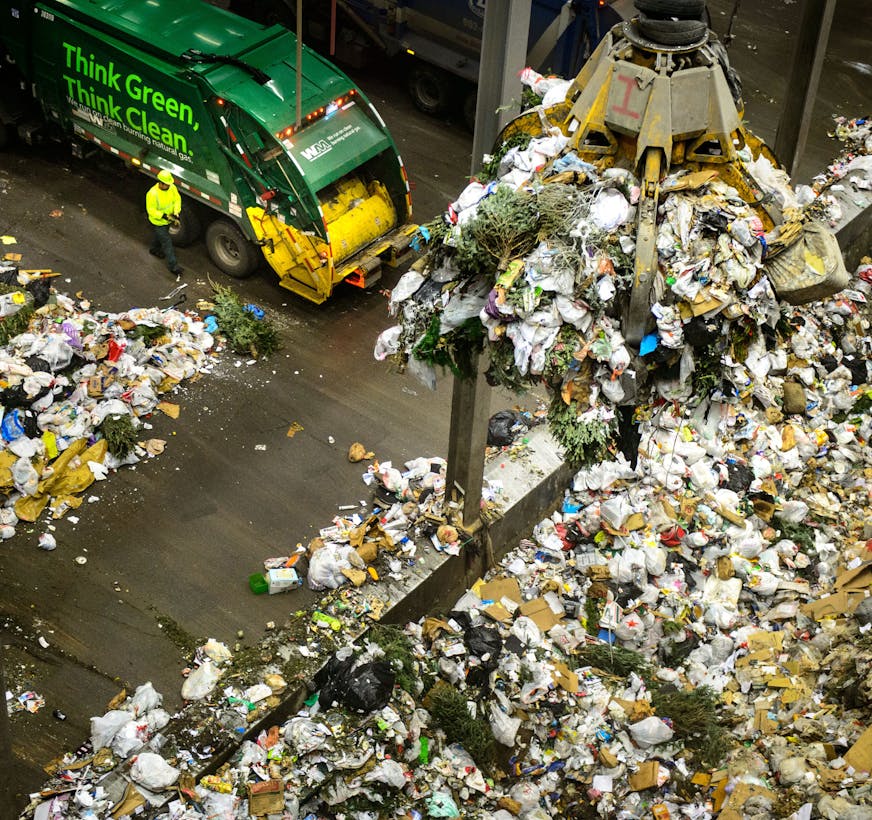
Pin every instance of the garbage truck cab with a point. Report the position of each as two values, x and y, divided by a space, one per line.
297 169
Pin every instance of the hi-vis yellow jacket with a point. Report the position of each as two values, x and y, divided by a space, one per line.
161 205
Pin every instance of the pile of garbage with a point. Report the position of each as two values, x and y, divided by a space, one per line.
537 265
76 386
688 635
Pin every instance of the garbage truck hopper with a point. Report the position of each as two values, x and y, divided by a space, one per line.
294 167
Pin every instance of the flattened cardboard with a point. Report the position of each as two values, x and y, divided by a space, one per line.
762 722
645 777
267 797
855 580
860 754
498 612
500 588
168 409
742 793
564 677
539 613
838 605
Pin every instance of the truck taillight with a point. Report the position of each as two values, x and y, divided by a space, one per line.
318 113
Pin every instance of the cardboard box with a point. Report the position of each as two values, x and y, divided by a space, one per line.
282 579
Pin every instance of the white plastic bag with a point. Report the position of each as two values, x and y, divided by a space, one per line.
650 731
144 699
201 681
326 565
304 735
388 772
153 772
217 651
56 351
130 737
504 727
105 727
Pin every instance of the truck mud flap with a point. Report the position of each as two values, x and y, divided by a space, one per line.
364 269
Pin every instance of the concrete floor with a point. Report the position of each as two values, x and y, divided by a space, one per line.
176 538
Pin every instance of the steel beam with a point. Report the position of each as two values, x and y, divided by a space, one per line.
503 56
802 83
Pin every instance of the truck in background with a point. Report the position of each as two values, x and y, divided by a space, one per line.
441 39
323 198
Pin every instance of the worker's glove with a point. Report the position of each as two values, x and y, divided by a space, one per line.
174 222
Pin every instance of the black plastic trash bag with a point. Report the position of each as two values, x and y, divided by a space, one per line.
503 426
332 680
362 687
485 643
370 686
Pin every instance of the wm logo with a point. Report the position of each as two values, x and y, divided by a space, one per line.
318 149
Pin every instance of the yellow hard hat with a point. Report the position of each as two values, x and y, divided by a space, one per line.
165 176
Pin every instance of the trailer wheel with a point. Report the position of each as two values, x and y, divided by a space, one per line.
230 250
190 227
430 89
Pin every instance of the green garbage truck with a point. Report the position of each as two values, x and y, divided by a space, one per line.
294 166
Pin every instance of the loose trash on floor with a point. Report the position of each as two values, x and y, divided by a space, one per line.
76 384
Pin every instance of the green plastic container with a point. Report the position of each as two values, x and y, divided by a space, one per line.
257 583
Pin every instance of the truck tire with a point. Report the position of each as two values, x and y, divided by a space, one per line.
683 9
190 227
230 250
430 89
672 32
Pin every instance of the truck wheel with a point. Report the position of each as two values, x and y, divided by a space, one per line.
230 250
430 89
190 227
682 9
672 32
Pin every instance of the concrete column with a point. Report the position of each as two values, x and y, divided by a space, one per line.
802 83
467 438
503 56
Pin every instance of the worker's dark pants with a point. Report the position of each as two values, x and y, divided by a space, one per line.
163 244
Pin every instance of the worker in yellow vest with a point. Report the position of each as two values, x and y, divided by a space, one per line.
164 204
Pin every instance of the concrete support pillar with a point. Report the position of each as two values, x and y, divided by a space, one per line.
503 56
467 438
802 83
